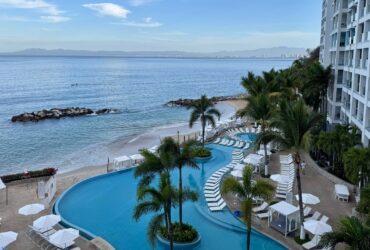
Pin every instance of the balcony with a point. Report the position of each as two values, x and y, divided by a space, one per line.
348 84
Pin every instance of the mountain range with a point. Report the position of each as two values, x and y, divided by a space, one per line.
275 52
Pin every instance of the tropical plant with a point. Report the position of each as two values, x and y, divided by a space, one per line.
246 191
266 83
357 165
316 83
259 108
294 121
350 232
338 141
159 201
363 205
205 111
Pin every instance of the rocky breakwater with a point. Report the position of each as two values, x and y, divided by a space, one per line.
215 99
57 113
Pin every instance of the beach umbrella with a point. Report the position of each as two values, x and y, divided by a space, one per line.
2 185
31 209
46 222
64 237
317 227
280 178
7 237
239 167
237 173
308 198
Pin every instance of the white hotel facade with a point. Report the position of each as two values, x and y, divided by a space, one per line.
345 44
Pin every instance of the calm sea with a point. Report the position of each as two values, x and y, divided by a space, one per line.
137 87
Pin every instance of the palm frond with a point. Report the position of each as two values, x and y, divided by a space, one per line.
232 185
154 227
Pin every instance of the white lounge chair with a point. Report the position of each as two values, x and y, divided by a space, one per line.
213 199
260 208
218 208
306 211
324 219
312 243
263 215
315 216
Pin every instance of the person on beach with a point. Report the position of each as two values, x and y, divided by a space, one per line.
303 166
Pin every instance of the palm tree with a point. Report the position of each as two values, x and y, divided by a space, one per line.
357 165
260 109
205 111
294 121
159 201
246 191
350 232
185 158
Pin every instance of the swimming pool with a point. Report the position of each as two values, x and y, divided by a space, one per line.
103 206
249 137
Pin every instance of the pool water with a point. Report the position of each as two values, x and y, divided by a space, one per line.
103 206
249 137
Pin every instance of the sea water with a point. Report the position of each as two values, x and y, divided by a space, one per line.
138 87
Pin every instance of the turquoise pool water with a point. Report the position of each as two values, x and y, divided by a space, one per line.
103 205
250 137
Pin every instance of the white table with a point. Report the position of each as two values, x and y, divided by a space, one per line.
341 192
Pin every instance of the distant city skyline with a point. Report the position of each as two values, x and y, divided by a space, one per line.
159 25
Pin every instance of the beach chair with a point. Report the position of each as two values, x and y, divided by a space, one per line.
263 215
218 208
216 204
211 191
324 219
213 199
312 243
261 208
306 211
212 195
315 216
217 140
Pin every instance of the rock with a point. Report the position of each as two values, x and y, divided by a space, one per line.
57 113
188 102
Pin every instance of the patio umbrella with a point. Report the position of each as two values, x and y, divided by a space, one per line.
308 198
239 167
280 178
64 237
237 173
6 238
31 209
2 185
46 222
317 227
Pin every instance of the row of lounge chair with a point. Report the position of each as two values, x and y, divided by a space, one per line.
286 169
314 242
232 143
212 189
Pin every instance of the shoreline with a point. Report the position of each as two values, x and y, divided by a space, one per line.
92 170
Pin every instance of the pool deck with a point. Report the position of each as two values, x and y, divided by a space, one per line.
312 182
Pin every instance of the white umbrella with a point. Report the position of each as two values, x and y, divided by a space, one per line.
31 209
237 173
7 237
2 185
46 222
64 237
280 178
317 227
308 198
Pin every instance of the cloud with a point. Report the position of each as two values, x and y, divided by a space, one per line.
52 11
108 9
140 2
55 19
40 5
146 23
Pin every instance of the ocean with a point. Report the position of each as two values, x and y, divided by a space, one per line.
138 87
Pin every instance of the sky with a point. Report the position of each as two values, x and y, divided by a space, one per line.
159 25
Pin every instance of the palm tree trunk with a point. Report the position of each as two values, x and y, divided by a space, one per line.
299 186
170 228
180 195
265 149
203 132
249 229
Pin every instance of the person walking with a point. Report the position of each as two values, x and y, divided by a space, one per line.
303 167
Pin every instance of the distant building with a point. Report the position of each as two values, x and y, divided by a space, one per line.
344 44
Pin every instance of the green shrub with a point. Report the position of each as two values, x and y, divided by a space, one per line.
29 175
299 241
184 234
202 152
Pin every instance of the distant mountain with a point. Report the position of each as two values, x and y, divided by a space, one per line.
276 52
